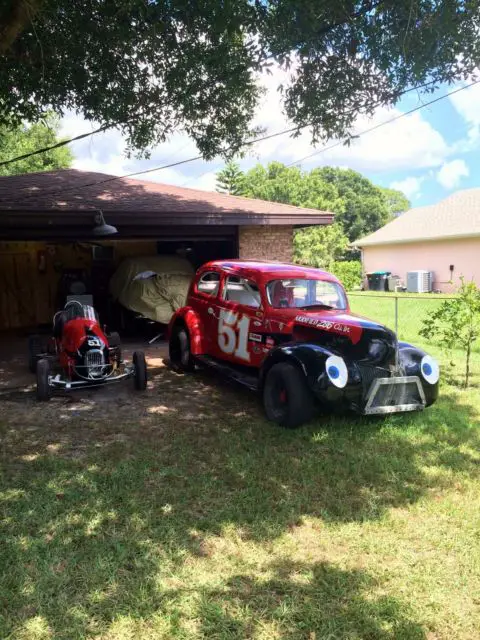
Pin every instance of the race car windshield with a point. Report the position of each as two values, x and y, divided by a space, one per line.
302 293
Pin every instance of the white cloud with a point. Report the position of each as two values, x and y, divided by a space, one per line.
410 186
467 105
408 143
451 173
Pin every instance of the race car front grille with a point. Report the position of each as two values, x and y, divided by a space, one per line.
395 394
94 363
370 373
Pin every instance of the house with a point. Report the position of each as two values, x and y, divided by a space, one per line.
49 226
443 238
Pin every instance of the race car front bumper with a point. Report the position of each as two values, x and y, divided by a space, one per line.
395 395
57 382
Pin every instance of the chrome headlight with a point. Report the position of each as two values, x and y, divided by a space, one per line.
430 369
337 371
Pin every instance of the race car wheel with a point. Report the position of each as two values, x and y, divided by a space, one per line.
140 365
180 354
286 398
34 350
44 390
114 342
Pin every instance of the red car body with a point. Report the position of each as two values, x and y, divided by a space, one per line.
287 331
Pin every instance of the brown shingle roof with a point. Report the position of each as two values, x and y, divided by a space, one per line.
72 189
457 216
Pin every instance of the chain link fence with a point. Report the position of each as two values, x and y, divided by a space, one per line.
405 313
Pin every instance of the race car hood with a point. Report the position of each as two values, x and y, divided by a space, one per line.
340 322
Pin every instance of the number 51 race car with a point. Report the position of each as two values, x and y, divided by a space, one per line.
79 354
287 332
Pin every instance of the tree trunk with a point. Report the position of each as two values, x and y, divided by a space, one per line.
15 20
467 364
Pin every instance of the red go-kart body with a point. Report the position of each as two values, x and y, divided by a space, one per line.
80 354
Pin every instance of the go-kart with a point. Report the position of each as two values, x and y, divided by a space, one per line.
79 354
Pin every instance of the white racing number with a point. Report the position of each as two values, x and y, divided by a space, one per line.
233 334
94 342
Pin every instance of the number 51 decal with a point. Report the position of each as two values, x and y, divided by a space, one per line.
233 334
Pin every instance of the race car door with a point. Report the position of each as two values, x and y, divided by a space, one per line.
240 321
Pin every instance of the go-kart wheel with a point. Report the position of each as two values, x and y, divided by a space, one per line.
34 350
115 342
286 398
179 351
44 390
140 366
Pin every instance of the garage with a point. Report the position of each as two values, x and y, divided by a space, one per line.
70 226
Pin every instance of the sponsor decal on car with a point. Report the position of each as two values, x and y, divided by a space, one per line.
323 324
255 337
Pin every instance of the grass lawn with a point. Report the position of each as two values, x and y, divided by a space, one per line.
196 518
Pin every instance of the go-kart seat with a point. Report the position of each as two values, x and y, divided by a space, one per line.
59 320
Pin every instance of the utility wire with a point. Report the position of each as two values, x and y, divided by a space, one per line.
253 141
383 124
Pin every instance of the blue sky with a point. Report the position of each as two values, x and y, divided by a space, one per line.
428 154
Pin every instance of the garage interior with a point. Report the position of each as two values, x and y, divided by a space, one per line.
36 276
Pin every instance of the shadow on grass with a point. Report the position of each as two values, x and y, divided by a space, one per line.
97 514
304 601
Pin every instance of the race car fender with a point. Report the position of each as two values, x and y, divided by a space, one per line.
310 358
191 319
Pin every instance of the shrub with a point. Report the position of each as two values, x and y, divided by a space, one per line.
349 273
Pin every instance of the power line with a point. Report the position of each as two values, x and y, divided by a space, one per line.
253 141
382 124
57 145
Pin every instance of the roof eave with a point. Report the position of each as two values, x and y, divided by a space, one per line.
457 236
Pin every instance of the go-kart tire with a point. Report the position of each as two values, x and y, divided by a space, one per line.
286 398
34 350
44 391
140 364
179 351
115 341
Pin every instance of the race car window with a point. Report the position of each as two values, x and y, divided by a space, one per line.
242 291
302 293
209 283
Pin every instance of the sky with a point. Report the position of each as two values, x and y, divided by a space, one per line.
427 155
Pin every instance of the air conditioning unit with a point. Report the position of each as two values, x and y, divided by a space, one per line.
419 281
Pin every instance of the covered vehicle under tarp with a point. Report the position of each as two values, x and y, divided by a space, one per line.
161 289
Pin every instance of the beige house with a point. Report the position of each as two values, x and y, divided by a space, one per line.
443 238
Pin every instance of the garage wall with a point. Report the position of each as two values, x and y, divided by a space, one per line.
263 242
30 273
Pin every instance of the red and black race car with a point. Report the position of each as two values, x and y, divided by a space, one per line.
288 332
79 354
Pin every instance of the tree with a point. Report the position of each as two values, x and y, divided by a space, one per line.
320 246
365 208
397 202
456 323
229 179
153 66
23 138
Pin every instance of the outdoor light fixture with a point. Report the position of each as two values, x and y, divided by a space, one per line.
101 228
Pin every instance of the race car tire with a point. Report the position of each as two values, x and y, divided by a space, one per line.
179 351
44 391
34 350
140 365
114 342
286 398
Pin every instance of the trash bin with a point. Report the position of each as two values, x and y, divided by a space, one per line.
378 280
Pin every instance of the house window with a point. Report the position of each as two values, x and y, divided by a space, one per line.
209 283
242 291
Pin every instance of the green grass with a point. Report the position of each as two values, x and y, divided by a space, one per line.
192 517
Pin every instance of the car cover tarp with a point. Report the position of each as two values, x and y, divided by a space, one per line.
155 297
